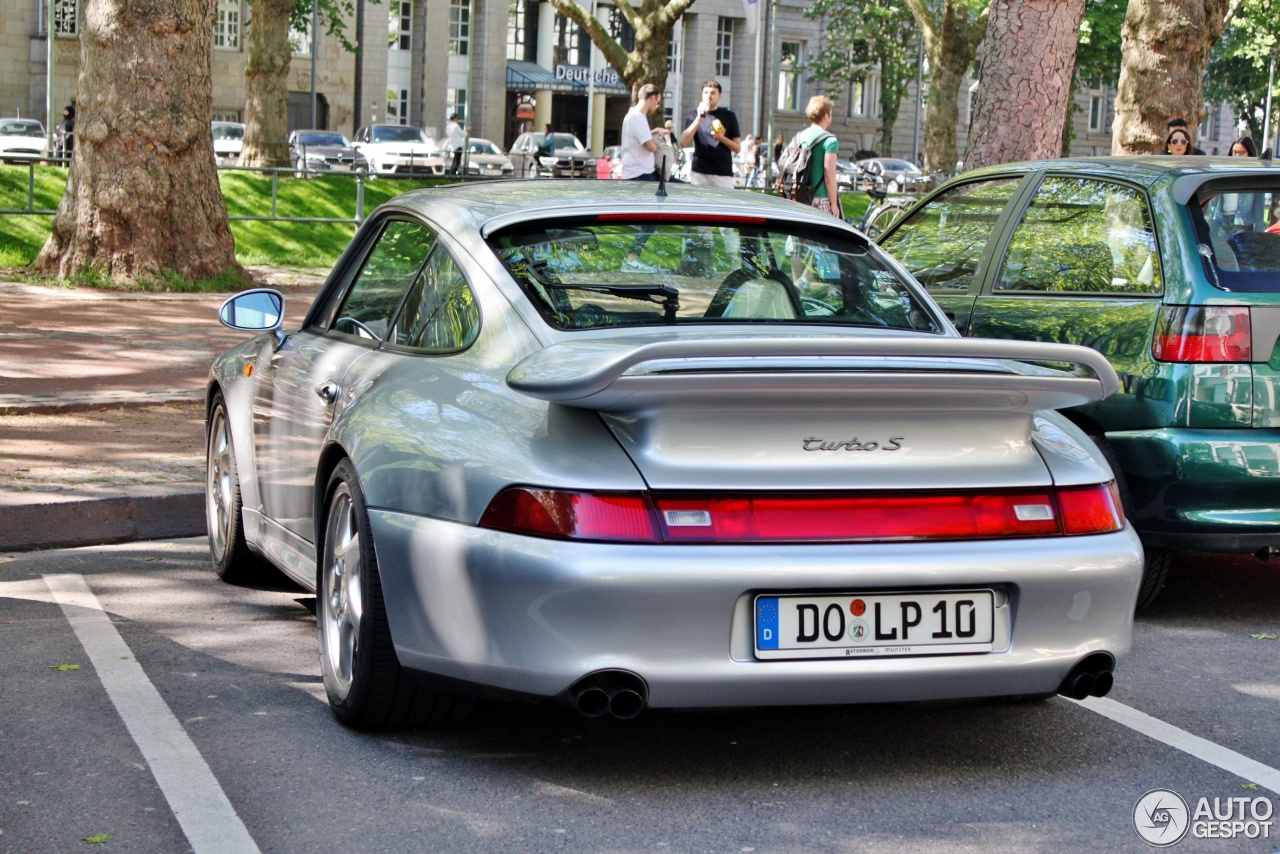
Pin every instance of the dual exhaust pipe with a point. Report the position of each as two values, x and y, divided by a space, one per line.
609 692
1090 678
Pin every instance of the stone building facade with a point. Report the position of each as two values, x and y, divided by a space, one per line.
513 65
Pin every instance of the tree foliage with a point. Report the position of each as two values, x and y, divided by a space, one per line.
861 35
1098 54
1239 64
651 21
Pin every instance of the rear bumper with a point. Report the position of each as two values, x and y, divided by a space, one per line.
533 616
1203 490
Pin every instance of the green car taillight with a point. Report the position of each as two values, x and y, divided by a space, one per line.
1203 333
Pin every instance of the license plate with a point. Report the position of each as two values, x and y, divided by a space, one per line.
869 625
491 171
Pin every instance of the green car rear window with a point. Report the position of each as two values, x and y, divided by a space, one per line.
1240 224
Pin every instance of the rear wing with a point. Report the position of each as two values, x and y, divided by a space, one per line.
629 374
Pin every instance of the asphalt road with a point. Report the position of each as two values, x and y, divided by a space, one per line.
237 669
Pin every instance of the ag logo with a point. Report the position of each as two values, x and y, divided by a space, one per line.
1161 817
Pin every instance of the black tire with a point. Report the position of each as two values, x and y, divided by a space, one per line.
1155 564
233 561
366 686
1155 570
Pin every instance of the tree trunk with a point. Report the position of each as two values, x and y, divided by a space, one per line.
890 104
142 197
951 42
1165 47
266 85
1025 97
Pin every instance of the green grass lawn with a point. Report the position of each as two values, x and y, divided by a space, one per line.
278 244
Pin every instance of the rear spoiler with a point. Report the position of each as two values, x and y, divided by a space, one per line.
628 374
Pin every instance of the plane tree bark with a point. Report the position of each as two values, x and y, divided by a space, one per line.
1024 101
142 200
266 84
1165 48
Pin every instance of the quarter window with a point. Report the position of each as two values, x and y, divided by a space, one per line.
440 313
388 272
942 243
1083 236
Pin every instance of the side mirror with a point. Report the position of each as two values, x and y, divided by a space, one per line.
258 310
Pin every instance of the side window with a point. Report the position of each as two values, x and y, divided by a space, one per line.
1083 236
387 273
942 242
440 313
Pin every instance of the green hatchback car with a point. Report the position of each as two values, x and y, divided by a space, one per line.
1169 266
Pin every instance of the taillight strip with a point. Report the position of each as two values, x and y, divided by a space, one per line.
806 518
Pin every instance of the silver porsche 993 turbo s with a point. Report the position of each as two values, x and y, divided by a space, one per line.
626 449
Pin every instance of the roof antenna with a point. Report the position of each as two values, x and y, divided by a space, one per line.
662 178
1266 155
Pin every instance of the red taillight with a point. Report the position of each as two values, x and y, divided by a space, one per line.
790 518
1208 333
1091 509
571 515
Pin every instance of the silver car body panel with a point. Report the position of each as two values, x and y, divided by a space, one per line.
533 615
435 437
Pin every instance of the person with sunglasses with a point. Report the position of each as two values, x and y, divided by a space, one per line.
1177 142
1180 124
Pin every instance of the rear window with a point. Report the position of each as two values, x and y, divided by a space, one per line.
595 274
1239 222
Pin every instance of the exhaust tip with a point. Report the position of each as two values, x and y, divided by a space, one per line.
591 702
615 692
1091 677
626 704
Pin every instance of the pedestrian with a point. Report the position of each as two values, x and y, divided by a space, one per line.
1181 124
779 146
456 137
1244 147
68 129
1177 142
713 132
639 141
750 145
826 151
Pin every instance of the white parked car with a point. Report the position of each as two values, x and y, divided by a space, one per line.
228 141
400 150
22 138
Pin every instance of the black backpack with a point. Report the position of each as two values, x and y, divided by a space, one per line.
795 170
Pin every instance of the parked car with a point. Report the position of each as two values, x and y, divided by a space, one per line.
511 463
323 151
1167 267
228 141
846 174
401 150
887 171
572 159
485 159
22 139
610 164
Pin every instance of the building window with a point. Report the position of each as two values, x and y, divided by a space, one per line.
400 35
789 76
724 47
621 30
65 17
456 103
517 32
675 56
398 106
300 39
459 28
1097 104
226 27
568 40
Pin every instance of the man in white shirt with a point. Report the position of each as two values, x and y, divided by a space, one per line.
457 139
638 139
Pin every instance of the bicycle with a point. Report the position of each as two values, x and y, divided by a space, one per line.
882 212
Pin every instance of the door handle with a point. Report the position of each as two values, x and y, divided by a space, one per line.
328 392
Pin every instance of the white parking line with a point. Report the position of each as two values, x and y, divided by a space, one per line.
198 802
1215 754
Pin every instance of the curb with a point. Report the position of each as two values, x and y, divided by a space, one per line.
91 522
